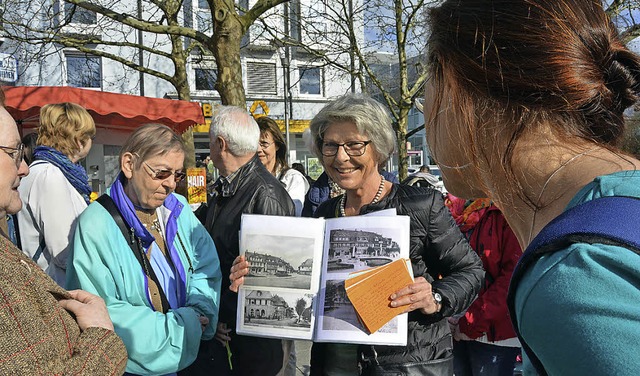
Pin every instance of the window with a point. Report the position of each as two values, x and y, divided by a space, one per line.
84 71
76 14
261 78
310 80
206 78
203 17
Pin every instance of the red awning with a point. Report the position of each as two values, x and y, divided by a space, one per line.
109 110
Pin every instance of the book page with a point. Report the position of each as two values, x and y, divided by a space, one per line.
278 298
354 244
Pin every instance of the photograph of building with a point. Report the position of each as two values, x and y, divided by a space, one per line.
264 308
355 250
279 261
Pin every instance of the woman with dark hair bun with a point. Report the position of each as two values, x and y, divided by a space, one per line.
525 106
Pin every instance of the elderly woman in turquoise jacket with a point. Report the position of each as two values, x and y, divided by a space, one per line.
161 281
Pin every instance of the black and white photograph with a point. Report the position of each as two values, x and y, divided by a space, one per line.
274 311
279 261
353 244
353 249
281 251
339 314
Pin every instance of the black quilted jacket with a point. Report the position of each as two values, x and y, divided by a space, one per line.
440 253
253 191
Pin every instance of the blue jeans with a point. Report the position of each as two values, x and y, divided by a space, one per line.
472 358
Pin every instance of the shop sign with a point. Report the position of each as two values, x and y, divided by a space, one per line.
197 185
8 68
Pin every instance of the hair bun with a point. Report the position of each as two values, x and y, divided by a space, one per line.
622 78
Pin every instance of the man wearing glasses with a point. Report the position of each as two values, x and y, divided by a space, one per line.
244 186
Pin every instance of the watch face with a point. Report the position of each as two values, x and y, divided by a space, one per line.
437 297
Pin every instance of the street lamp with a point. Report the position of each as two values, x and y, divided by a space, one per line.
285 60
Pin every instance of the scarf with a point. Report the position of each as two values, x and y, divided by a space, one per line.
74 172
128 212
466 213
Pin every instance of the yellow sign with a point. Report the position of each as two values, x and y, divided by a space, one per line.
295 125
263 105
197 185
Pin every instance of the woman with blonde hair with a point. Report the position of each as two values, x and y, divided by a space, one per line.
57 189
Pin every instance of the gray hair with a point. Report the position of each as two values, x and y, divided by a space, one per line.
238 128
151 140
369 116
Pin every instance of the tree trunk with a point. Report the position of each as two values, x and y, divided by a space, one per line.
401 135
225 44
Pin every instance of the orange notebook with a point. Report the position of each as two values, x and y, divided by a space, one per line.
369 292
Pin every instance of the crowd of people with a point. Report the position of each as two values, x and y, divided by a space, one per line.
523 111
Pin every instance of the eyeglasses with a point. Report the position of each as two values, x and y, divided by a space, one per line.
265 144
164 174
352 148
15 153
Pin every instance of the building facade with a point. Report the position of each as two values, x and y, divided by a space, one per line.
285 83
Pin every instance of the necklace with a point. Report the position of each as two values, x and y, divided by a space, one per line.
546 183
376 198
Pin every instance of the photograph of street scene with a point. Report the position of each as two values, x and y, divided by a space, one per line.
279 261
353 250
339 313
277 309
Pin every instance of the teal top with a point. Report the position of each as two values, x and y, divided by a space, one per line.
579 308
103 264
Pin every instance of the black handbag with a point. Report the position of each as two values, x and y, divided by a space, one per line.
437 367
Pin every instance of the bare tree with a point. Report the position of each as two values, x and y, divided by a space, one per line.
379 43
159 40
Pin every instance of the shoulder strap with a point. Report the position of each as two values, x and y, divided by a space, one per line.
107 202
606 220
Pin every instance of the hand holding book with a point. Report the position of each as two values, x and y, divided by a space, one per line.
418 295
369 292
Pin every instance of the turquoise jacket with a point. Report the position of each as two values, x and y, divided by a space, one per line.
103 264
579 308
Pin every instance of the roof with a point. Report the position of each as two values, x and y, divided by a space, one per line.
109 110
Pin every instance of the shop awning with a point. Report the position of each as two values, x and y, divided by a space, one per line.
109 110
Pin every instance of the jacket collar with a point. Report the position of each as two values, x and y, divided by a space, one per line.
228 186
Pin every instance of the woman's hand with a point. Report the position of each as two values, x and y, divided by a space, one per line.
239 269
88 309
223 334
204 321
417 295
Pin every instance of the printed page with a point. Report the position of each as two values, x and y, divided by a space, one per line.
354 244
278 298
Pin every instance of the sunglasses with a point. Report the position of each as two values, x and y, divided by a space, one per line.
164 174
15 153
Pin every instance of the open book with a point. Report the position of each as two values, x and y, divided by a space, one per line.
296 285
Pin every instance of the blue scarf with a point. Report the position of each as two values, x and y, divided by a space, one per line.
74 172
128 212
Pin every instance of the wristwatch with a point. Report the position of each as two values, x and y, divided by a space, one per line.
438 299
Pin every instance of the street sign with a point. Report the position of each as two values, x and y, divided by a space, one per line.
8 68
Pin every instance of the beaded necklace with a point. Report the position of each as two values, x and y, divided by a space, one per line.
376 198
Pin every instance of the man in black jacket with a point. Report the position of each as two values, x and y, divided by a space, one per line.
244 186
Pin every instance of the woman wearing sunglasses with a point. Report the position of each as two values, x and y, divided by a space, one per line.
158 270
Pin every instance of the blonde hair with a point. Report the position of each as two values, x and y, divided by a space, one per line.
63 126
